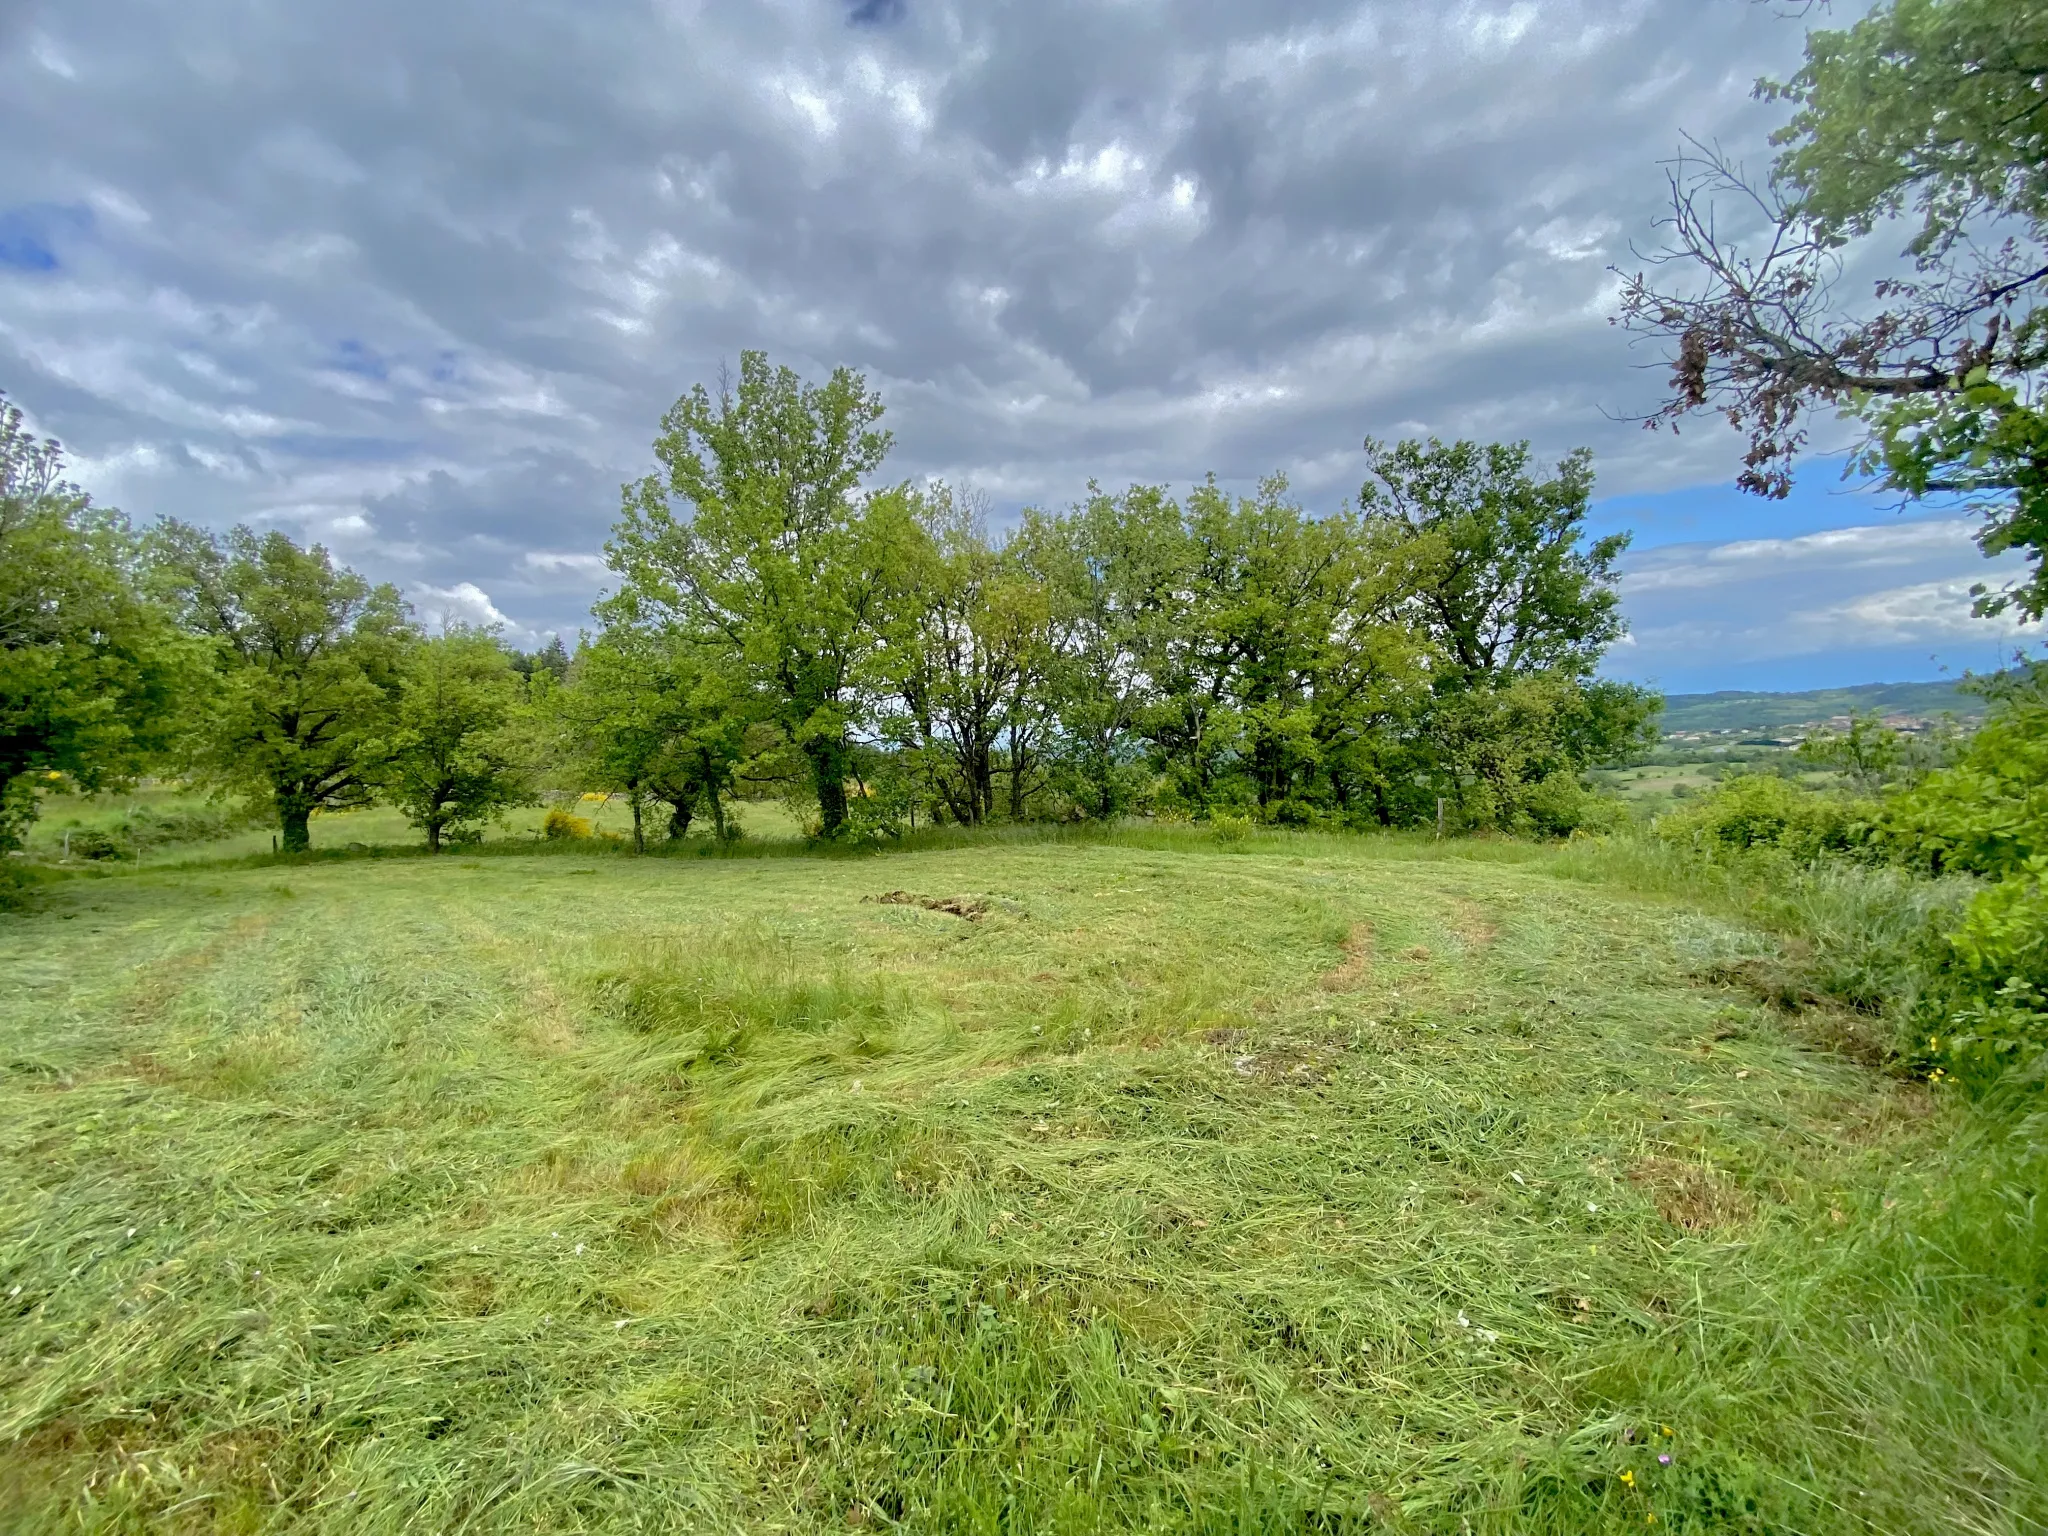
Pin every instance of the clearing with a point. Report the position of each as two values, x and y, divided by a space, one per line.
1134 1182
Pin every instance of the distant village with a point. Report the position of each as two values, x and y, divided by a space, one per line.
1793 735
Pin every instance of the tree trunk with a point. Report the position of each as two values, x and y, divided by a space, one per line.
717 813
433 834
294 815
1019 766
984 780
679 819
639 833
828 776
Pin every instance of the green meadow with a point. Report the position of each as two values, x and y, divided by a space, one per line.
1135 1181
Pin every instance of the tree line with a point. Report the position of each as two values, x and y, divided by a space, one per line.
777 621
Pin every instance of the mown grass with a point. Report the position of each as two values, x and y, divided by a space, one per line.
1310 1184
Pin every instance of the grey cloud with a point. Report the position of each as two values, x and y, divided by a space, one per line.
421 279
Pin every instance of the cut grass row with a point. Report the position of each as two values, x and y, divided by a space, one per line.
1318 1185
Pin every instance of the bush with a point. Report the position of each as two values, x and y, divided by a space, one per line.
1987 814
1559 805
1230 830
1984 1011
1762 811
560 825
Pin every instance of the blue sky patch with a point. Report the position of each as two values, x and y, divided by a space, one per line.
29 235
353 357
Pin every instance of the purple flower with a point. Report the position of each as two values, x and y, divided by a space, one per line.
1663 1461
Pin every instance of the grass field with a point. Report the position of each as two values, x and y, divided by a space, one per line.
1307 1184
377 827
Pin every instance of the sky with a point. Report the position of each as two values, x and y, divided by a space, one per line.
418 281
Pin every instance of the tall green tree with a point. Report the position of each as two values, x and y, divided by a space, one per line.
1499 573
969 658
93 675
308 659
453 760
653 716
758 539
1111 568
1519 607
1926 121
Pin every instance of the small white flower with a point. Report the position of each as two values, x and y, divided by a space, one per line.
1591 1206
579 1248
554 1234
15 1292
1464 1321
622 1322
855 1088
1518 1178
131 1231
1489 1335
1038 1029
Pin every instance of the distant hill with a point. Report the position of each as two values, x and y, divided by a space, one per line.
1734 710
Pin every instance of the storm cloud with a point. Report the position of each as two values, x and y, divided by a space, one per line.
419 280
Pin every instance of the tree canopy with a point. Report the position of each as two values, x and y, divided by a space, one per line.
1931 114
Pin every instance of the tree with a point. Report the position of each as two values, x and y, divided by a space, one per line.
1109 568
93 676
307 658
1519 609
1932 111
758 540
551 659
1498 576
452 762
651 716
970 656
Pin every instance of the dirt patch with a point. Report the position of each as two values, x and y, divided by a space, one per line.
1691 1195
1475 927
1357 967
972 908
1275 1063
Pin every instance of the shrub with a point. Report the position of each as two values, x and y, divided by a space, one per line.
1559 805
1762 811
560 825
1984 1012
1230 830
1988 813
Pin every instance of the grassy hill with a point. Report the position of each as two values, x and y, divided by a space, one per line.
1735 710
1028 1184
